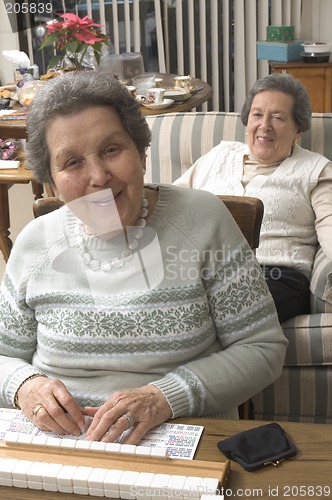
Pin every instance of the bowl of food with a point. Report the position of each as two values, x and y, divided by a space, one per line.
316 47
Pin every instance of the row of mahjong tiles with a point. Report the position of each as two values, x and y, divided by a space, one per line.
110 483
99 481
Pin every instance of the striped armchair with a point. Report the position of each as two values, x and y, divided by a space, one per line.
304 390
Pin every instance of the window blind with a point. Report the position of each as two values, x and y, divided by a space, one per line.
214 40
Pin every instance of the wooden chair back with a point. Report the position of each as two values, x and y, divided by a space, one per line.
44 206
4 247
248 214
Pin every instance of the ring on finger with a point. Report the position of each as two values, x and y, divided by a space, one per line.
36 409
131 421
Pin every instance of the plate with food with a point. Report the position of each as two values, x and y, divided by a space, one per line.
7 96
6 92
177 94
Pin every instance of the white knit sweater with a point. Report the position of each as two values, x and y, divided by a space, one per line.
288 236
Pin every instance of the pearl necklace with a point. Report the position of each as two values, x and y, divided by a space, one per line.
136 234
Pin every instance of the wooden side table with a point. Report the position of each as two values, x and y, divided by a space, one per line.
20 175
317 79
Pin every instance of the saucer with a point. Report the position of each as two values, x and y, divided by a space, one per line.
178 94
163 105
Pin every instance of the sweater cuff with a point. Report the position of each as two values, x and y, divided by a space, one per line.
175 394
16 381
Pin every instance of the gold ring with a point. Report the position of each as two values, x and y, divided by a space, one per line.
36 409
130 419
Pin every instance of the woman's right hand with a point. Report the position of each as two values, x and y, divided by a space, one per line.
49 405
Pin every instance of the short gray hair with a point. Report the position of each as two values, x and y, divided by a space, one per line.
283 82
70 93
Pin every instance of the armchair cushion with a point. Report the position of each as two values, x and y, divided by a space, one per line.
299 395
310 341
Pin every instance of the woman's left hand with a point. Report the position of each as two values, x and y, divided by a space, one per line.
142 409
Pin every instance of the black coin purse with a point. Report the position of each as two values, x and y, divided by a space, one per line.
259 447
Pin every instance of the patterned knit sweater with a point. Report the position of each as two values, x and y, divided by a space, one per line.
200 324
288 234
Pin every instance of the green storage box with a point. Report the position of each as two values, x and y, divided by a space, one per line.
280 51
279 33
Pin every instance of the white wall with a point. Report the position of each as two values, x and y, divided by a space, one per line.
8 41
322 28
316 21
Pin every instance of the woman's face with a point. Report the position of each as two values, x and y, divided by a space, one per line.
92 156
271 129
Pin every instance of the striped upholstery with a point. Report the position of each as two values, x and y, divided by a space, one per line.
178 139
301 394
321 296
304 390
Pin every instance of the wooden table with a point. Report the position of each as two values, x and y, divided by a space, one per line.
16 129
198 98
299 477
20 175
13 129
311 467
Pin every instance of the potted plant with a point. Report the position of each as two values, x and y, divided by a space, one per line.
74 39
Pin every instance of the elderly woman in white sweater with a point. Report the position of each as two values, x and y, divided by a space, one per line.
294 184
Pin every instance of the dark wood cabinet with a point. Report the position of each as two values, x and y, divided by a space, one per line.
316 77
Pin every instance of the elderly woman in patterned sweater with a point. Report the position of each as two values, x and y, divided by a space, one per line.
131 304
294 184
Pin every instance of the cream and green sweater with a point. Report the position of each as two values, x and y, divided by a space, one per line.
199 322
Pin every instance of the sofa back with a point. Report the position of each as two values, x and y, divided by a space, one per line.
179 139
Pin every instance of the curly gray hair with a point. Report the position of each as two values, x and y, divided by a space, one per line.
289 85
72 92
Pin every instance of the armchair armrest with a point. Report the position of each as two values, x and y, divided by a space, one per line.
321 284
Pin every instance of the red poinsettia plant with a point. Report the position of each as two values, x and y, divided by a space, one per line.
72 37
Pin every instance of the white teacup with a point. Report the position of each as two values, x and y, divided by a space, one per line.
155 95
183 82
